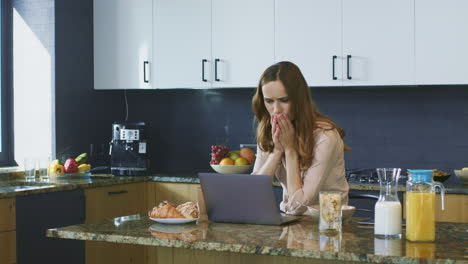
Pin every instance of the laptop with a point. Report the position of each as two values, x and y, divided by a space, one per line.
241 198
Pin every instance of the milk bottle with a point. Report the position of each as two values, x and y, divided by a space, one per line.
387 218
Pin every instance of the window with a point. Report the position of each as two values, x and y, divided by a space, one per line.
6 112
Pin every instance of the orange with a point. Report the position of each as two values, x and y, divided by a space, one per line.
248 154
226 161
241 161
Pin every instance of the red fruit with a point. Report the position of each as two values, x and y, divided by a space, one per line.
70 166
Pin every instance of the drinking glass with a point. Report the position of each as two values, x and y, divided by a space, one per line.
43 168
29 169
330 211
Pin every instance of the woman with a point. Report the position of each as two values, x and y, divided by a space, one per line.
297 144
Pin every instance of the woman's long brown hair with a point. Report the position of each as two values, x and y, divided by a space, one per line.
303 111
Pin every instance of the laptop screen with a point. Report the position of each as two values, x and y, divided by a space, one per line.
240 198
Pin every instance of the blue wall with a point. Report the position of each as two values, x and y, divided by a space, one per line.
409 127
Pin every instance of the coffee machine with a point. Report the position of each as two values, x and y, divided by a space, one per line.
128 149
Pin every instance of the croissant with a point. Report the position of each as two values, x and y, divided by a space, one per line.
165 210
188 210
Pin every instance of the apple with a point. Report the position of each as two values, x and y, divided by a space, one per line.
70 166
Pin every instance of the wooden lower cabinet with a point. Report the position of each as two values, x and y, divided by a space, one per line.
162 255
8 247
105 252
8 214
174 192
7 231
114 201
456 207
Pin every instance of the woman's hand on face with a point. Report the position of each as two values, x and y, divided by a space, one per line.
275 133
287 135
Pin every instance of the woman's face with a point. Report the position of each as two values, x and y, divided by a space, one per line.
276 99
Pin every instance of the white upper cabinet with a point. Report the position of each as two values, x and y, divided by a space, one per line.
308 33
347 42
441 41
182 44
144 44
379 36
212 44
243 41
122 44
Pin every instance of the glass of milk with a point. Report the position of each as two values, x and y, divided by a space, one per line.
387 218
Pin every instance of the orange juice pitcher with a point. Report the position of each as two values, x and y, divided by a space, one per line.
420 205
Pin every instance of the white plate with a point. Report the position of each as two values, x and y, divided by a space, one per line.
174 221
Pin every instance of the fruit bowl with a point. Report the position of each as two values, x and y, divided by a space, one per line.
462 175
231 169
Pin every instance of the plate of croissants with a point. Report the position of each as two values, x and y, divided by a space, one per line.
169 213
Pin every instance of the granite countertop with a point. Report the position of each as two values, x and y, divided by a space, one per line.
299 239
13 185
19 187
449 188
453 186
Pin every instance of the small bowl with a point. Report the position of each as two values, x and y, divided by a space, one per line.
346 211
462 175
441 178
231 169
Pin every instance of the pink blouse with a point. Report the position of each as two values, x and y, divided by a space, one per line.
327 173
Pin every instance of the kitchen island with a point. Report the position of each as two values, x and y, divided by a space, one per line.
98 197
299 242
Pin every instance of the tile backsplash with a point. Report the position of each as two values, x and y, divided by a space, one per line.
392 126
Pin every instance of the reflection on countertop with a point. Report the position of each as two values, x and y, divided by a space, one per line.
300 239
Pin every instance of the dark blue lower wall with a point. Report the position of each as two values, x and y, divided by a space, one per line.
409 127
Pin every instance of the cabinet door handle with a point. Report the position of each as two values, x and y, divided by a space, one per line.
216 70
83 212
203 70
333 67
118 192
145 63
348 60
